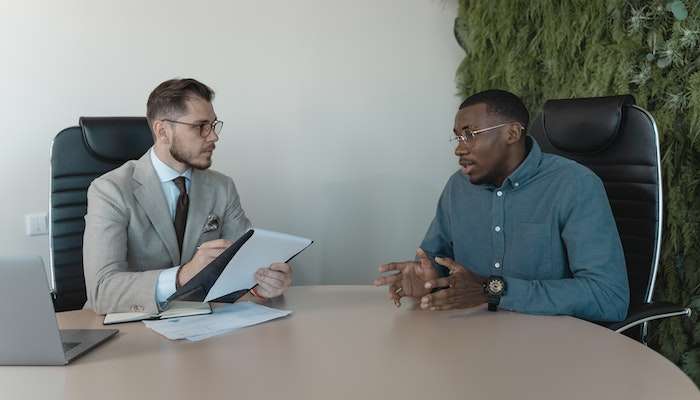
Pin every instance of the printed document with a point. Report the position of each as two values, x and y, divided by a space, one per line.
223 319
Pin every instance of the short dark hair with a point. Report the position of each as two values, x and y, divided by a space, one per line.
169 98
500 102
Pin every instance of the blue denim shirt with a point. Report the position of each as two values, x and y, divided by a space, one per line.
548 230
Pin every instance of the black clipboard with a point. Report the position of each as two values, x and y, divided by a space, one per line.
198 287
232 297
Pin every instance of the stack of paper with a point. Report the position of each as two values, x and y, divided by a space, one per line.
224 319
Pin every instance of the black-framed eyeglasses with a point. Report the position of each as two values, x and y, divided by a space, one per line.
468 136
204 128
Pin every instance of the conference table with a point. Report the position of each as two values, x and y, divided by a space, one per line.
351 342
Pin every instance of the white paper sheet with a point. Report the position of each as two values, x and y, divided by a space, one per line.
224 319
261 250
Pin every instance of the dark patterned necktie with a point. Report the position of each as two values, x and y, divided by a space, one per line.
183 204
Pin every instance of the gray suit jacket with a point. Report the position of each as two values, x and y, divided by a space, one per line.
130 238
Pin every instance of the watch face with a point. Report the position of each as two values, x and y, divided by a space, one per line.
495 286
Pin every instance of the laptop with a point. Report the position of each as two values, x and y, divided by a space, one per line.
29 333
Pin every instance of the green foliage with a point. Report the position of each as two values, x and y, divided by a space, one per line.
691 363
547 49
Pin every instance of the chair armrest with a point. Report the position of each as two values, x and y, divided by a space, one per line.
649 312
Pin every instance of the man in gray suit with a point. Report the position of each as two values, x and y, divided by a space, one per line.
154 223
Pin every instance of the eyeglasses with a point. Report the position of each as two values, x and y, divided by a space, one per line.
468 136
204 128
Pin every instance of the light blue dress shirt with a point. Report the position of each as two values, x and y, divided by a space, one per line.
166 279
548 231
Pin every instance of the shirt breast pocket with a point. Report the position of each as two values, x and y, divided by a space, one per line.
531 251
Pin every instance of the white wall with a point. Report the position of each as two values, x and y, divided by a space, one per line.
337 113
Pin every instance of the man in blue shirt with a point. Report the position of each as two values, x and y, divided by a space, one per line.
515 228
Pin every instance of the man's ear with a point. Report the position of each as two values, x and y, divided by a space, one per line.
159 132
515 133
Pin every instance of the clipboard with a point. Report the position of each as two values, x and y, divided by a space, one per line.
213 282
198 287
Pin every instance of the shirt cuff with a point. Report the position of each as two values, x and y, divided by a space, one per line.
515 289
165 286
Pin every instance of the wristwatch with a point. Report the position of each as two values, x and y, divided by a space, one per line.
494 288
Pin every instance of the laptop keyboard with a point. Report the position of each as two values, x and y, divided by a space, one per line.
69 345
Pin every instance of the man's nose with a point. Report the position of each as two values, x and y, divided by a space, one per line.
212 137
461 149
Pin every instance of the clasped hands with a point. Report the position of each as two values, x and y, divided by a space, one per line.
418 279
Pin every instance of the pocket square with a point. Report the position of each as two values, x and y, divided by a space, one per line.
212 223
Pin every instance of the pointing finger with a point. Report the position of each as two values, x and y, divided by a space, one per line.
394 266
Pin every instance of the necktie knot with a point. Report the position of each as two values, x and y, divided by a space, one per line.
180 183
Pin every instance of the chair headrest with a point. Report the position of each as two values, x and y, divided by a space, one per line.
117 138
584 125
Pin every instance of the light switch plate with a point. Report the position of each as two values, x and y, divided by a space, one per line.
36 224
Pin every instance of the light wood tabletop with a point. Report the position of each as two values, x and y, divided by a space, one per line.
350 342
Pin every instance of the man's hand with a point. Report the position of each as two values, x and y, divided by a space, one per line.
410 279
204 255
461 289
274 280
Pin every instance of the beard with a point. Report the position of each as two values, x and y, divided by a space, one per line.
494 177
479 180
187 157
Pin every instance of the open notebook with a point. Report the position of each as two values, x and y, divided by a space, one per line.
175 309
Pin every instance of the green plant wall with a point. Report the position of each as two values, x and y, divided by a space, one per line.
546 49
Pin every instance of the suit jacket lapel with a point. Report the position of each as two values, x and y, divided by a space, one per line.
151 198
201 202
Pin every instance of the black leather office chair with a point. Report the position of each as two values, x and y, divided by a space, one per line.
619 141
78 156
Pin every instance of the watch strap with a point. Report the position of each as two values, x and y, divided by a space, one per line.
493 302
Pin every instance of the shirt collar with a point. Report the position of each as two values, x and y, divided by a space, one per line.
528 168
164 172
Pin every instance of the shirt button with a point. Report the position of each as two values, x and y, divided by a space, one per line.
499 193
516 184
497 265
497 229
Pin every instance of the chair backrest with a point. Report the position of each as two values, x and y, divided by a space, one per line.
78 156
619 141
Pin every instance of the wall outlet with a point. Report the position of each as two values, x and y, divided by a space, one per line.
36 224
